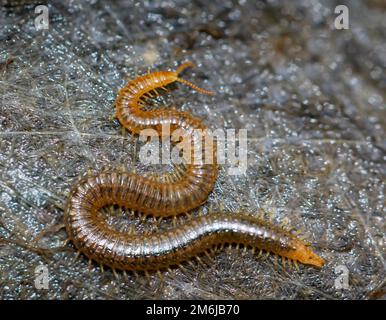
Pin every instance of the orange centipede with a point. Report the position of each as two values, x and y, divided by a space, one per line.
187 190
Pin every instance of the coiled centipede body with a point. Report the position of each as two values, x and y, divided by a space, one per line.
93 237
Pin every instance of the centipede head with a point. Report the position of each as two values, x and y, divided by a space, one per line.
304 254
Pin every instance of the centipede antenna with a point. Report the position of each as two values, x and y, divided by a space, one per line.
182 67
194 87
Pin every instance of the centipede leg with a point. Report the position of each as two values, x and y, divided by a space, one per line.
261 215
183 269
115 274
296 265
208 256
201 262
283 262
161 281
112 211
148 278
191 264
290 262
76 256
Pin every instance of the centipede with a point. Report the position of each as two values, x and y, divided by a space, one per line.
165 198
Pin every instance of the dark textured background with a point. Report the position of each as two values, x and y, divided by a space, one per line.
311 97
